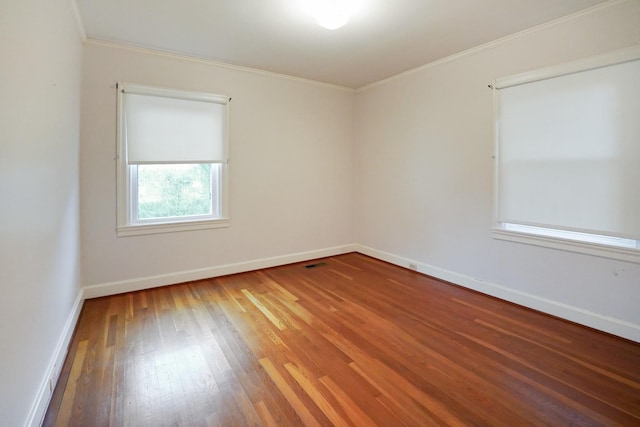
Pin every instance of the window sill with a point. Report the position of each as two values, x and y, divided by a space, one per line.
600 250
170 227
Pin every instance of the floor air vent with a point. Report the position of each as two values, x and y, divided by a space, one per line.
319 264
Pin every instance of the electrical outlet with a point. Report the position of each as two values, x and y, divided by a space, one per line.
413 266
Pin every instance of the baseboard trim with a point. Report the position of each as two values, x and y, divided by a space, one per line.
610 325
43 397
137 284
39 408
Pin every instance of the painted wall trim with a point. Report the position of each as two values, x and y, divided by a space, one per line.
77 19
113 288
39 407
202 60
497 42
610 325
578 315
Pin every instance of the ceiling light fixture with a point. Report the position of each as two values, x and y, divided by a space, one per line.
332 14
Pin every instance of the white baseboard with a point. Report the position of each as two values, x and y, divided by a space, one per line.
39 407
610 325
137 284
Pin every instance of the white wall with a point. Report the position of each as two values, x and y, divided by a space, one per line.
40 73
291 170
423 181
424 176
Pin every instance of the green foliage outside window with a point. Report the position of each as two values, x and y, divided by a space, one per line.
166 191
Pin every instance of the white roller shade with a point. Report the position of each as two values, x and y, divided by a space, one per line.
176 128
569 151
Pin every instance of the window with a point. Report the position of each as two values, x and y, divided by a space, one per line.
568 156
172 160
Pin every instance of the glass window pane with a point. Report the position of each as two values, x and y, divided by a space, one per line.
174 191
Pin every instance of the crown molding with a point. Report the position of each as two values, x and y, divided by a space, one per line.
75 14
497 42
203 60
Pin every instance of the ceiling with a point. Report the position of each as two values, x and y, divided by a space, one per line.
384 38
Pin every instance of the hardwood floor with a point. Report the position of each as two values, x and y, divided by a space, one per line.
350 342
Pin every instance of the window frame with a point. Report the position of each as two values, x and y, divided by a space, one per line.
127 223
214 188
599 245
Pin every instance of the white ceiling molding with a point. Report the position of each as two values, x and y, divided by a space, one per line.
75 13
206 61
492 44
382 40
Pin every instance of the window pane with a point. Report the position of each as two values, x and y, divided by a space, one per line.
170 191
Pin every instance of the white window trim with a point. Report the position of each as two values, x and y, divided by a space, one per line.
124 224
558 241
565 244
135 230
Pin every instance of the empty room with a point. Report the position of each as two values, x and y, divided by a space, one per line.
316 213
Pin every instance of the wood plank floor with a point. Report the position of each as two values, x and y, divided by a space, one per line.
351 342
